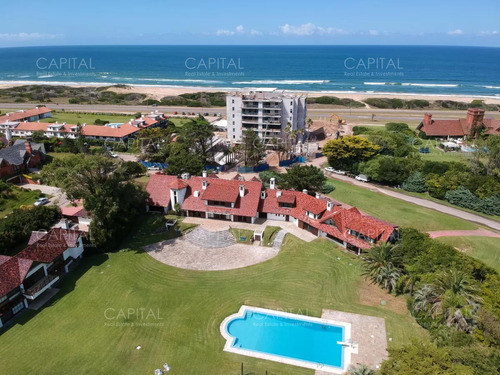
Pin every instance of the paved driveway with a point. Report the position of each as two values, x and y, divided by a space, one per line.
58 197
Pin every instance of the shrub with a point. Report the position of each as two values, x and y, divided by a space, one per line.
327 188
415 183
357 130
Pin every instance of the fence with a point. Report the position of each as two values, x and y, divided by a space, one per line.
256 169
297 159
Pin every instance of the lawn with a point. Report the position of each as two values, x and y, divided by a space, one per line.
84 118
269 233
394 210
87 327
16 198
486 249
179 121
242 235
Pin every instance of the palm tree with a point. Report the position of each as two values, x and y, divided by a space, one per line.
453 296
382 266
360 370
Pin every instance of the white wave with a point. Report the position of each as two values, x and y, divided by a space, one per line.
178 80
492 87
280 82
382 83
430 84
46 76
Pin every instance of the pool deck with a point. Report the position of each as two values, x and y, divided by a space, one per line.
368 332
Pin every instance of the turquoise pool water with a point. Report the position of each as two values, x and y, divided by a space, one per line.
287 337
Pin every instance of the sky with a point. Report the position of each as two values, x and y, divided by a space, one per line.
271 22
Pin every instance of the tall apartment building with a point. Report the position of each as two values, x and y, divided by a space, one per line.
267 111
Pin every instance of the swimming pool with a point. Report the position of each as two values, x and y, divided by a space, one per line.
288 338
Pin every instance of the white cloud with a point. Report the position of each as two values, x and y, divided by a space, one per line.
222 32
239 30
373 32
28 36
456 32
308 29
488 33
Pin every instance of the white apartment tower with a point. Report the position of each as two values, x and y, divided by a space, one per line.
266 111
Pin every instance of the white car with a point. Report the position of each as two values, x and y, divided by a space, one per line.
338 171
362 177
329 169
113 155
41 201
153 168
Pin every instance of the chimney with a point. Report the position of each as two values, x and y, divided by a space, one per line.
263 194
204 173
272 183
279 193
27 145
427 119
305 191
475 115
329 205
185 176
204 184
318 195
242 190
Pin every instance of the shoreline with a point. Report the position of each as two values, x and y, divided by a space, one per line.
159 91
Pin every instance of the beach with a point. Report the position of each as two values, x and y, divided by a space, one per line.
158 92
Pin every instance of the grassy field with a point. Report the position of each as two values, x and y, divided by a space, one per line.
18 197
486 249
269 233
87 326
395 210
84 118
179 121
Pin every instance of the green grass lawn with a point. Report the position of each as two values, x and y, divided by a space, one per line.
179 121
486 249
16 198
82 331
269 233
394 210
242 235
87 118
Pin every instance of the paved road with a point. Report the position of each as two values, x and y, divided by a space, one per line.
58 197
453 233
493 224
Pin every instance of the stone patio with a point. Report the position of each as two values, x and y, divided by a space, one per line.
368 332
182 253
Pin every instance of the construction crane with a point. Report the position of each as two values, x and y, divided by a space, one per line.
339 119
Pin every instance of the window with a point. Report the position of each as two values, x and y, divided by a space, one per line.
291 102
233 122
234 136
234 129
233 108
291 110
18 307
233 115
232 102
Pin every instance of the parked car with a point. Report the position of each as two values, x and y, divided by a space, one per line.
362 177
113 155
329 169
338 171
155 105
153 168
41 201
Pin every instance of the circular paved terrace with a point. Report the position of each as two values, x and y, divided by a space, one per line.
204 250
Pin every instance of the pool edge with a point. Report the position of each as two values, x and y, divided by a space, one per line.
228 346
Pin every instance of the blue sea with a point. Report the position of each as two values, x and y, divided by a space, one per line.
429 70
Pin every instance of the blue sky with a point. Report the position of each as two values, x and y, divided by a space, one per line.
441 22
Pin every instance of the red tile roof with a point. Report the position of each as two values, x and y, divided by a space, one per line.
159 190
77 211
18 116
220 190
288 198
50 245
457 127
12 273
178 184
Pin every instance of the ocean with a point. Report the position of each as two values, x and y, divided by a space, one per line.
429 70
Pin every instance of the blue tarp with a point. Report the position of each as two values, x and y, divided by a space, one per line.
149 164
297 159
256 169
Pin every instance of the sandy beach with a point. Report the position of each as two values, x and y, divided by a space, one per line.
158 92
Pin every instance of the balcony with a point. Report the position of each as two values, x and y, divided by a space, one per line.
40 286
